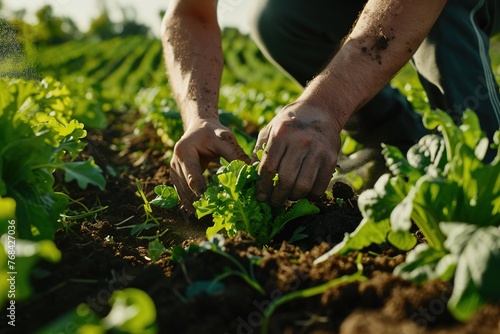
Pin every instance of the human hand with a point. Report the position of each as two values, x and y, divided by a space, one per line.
301 145
203 141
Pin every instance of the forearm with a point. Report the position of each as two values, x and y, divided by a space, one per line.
385 37
194 61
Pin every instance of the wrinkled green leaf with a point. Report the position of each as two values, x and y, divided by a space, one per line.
166 198
453 196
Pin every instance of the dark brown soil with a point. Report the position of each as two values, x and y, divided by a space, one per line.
100 256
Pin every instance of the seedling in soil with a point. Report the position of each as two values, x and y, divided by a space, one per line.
150 221
216 244
230 199
310 292
298 235
166 198
155 246
132 311
73 215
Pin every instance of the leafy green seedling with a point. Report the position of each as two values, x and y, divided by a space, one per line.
216 244
298 235
150 221
39 136
231 200
155 246
314 291
166 198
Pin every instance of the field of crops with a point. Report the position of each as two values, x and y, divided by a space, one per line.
94 240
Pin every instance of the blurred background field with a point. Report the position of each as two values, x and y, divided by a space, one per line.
116 65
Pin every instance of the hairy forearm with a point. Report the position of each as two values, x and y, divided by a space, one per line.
385 37
194 61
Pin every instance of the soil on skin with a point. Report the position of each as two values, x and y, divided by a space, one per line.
99 255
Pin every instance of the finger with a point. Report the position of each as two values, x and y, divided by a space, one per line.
305 179
324 175
261 142
267 170
229 149
186 196
188 166
288 174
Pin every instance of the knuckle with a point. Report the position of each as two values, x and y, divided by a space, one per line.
179 149
285 182
268 169
302 189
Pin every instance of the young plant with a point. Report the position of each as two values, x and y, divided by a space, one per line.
155 247
166 198
445 188
215 244
230 199
313 291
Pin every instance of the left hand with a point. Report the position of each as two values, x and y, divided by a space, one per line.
302 143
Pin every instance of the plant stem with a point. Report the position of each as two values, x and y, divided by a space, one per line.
243 273
356 277
83 215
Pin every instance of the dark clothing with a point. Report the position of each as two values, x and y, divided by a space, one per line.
453 64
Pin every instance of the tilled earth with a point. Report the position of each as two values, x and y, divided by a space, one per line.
99 256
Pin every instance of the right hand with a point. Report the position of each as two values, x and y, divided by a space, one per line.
203 141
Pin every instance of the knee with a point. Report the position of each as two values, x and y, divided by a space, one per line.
262 21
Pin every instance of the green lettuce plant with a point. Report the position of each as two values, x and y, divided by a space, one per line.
37 137
445 188
231 200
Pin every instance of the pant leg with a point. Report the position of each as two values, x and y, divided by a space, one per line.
300 37
454 65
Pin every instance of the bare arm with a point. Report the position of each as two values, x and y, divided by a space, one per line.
302 140
193 57
385 37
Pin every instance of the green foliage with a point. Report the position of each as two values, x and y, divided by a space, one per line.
27 254
445 188
231 200
157 108
313 291
103 28
17 256
215 244
132 312
150 220
38 137
166 198
51 29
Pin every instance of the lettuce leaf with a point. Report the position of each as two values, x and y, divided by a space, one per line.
37 137
444 187
230 199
